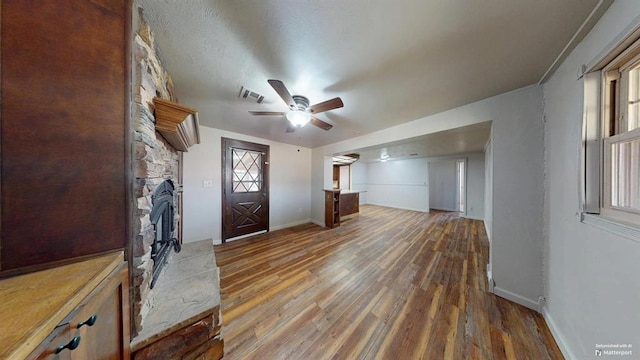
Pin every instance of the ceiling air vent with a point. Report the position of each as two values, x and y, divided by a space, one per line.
247 94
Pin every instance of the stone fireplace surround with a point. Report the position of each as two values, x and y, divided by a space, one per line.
155 162
180 315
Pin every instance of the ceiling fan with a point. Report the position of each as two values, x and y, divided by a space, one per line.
301 113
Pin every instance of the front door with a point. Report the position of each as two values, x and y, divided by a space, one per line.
245 188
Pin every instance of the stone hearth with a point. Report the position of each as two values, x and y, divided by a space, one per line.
186 314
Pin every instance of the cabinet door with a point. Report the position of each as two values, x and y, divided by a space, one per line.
102 322
63 110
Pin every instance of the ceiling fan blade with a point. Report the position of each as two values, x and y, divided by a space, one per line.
290 127
266 113
279 87
321 124
334 103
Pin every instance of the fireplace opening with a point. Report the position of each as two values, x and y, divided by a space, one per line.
162 220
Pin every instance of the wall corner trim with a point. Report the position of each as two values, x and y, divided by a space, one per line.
557 335
471 217
518 299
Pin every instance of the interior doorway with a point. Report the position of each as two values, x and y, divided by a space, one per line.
447 185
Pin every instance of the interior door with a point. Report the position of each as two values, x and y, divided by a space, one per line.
245 188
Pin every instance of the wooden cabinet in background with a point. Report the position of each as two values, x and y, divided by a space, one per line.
338 205
332 208
349 203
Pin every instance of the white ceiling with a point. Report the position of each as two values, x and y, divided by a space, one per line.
462 140
390 61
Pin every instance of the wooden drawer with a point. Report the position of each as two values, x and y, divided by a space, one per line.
61 335
98 328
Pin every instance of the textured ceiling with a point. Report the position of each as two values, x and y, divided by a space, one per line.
390 61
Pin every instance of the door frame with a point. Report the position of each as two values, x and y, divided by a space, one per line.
227 177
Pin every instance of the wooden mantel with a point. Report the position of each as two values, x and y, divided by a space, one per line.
178 124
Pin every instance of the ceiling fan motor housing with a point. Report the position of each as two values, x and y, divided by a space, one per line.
301 101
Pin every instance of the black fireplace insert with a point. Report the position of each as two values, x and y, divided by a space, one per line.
162 220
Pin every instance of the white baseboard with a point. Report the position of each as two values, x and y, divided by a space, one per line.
486 230
490 279
246 236
398 207
473 217
280 227
557 335
518 299
443 209
319 223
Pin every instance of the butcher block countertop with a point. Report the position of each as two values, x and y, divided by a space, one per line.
32 305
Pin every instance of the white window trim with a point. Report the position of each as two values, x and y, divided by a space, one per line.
613 226
592 209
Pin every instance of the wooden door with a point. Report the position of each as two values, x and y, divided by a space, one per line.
245 188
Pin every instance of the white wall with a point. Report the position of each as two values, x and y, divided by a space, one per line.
359 176
399 183
591 276
345 178
443 186
517 133
386 194
290 181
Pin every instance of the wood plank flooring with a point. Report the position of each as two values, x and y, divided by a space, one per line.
387 284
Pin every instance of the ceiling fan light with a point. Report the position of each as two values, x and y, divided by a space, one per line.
298 118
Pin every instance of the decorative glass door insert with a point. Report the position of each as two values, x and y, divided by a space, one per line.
247 171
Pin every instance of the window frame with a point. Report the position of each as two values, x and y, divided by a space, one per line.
605 86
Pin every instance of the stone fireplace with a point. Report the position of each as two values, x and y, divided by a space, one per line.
175 296
157 178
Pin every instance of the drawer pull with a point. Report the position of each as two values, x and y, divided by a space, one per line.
71 345
89 322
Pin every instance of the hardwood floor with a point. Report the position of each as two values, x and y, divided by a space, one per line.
388 284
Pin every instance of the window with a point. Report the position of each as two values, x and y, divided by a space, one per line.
247 171
621 133
611 134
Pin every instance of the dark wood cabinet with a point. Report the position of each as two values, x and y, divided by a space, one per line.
332 208
338 205
336 177
349 203
64 130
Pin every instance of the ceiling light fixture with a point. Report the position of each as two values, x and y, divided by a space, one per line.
298 118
